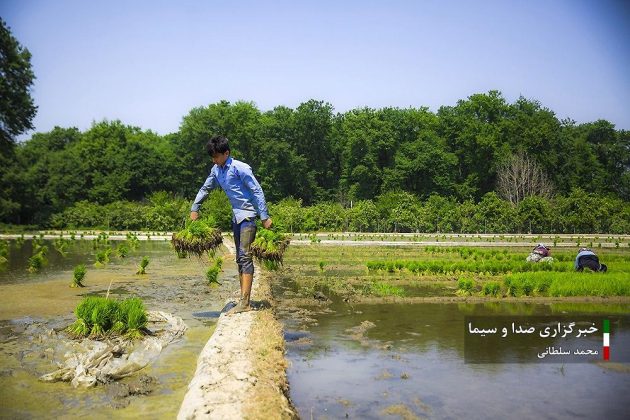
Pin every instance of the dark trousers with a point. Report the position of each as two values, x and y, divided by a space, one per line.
589 261
244 235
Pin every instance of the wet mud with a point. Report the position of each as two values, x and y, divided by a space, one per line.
37 307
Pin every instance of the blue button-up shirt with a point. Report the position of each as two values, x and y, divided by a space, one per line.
243 190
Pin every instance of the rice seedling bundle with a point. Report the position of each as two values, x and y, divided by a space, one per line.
4 252
99 317
122 251
143 265
197 238
78 275
36 262
491 288
269 247
212 275
136 316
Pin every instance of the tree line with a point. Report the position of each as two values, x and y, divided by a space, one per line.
578 212
317 157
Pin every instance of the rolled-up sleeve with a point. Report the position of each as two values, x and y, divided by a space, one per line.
210 184
252 184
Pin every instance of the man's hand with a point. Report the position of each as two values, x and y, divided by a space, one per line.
194 215
267 223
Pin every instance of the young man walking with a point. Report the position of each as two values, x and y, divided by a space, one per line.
247 200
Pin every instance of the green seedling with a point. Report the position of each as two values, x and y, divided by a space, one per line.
78 275
122 251
143 265
212 275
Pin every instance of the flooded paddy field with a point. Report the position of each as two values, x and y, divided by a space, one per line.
35 304
392 344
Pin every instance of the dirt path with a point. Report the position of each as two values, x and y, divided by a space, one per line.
227 374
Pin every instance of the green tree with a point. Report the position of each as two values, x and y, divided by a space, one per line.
495 215
422 167
439 214
17 109
400 211
312 140
368 145
239 122
534 215
363 216
282 170
288 214
472 130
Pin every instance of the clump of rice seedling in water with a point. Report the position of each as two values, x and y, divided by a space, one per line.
213 272
40 248
143 265
465 286
83 325
4 252
491 288
99 317
197 238
136 317
122 251
36 262
78 275
269 247
383 289
60 245
102 257
133 241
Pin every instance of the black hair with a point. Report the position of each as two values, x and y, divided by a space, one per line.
217 144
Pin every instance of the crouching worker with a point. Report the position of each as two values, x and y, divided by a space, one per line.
540 253
247 201
587 259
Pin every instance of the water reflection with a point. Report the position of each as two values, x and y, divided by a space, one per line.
374 360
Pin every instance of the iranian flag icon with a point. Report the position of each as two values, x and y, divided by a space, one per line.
606 339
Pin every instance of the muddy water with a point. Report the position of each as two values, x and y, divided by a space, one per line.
33 304
372 361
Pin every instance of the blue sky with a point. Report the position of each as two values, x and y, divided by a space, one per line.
148 63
